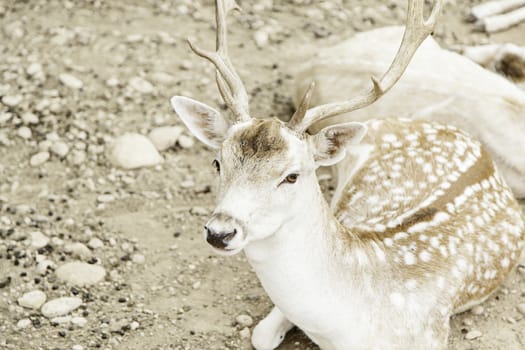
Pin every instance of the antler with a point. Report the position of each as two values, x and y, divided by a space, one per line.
416 31
229 83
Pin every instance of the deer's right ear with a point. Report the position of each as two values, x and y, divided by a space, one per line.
204 122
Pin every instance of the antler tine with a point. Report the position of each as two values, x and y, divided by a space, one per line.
300 113
229 82
416 31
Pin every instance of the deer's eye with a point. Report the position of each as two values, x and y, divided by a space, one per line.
217 165
290 179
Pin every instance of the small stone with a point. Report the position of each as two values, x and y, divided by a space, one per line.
70 81
61 319
134 325
79 321
78 157
138 258
105 198
45 145
95 243
60 148
112 82
163 78
80 274
245 333
39 158
261 38
477 310
468 322
186 141
244 320
199 211
24 323
473 335
29 118
60 306
24 132
44 266
77 347
521 308
165 137
32 300
34 69
38 239
12 100
131 151
78 250
141 85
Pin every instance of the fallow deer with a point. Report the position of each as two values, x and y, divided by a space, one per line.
439 85
422 224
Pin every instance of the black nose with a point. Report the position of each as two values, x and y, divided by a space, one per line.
219 239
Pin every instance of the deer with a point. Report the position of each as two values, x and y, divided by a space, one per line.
421 226
439 85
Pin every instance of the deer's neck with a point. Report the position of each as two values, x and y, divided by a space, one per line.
305 260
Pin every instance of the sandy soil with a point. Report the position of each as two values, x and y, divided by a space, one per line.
182 296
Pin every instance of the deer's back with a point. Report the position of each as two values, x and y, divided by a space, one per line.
434 198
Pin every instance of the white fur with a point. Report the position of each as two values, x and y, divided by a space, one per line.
457 91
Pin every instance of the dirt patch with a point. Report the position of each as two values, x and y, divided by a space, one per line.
80 73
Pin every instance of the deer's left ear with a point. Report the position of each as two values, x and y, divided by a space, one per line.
206 123
329 145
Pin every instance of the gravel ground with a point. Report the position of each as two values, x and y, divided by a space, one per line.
116 252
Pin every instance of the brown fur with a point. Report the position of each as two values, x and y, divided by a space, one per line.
513 67
261 141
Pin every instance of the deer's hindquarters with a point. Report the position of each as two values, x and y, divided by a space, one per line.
433 200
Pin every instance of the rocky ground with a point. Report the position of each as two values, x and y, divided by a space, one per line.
95 254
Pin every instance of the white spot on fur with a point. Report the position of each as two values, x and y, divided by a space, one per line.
397 299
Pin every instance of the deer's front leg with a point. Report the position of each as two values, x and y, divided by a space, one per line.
270 332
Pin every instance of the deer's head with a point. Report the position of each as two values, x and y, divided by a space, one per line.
266 168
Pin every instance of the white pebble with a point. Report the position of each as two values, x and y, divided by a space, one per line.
24 132
71 81
244 320
105 198
38 239
80 274
477 310
165 137
32 300
131 151
39 158
34 69
77 347
61 319
78 157
473 335
79 321
134 325
261 38
95 243
138 258
245 333
23 323
60 148
12 100
521 308
43 266
29 118
141 85
186 141
60 306
78 250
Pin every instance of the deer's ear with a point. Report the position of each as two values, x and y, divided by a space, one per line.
329 145
206 123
